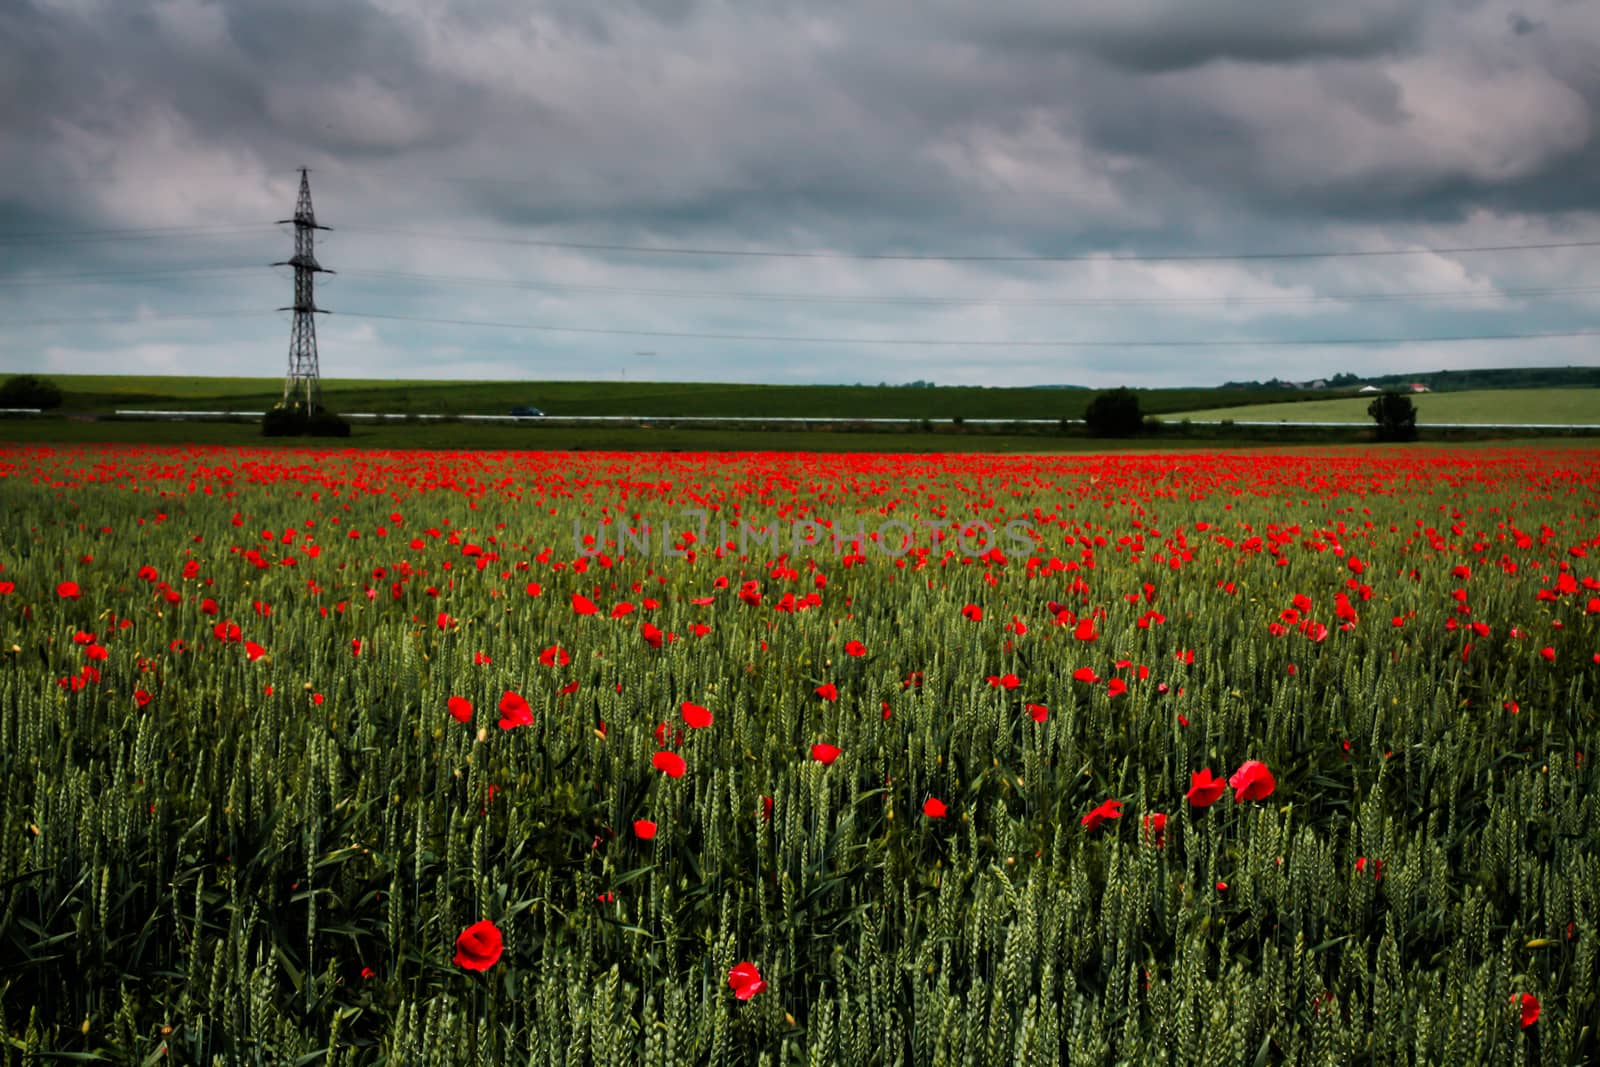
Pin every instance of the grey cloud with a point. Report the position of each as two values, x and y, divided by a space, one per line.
1162 35
888 126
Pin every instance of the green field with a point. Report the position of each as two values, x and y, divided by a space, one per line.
337 758
1487 407
106 393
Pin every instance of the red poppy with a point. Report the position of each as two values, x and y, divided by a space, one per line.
460 708
1155 829
644 829
855 648
1252 781
254 651
973 612
583 605
934 808
652 634
444 621
140 697
1529 1009
514 712
828 691
555 656
670 764
1085 674
1116 687
1548 653
67 590
1004 681
1105 810
745 981
1085 631
824 753
1040 712
622 608
7 588
696 716
1204 789
479 946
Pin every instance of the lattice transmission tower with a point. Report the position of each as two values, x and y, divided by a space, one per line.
303 384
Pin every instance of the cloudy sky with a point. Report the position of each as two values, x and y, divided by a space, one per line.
921 189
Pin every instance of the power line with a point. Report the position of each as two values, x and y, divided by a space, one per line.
907 257
957 301
112 320
949 343
151 233
114 277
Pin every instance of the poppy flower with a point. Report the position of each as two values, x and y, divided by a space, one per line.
855 648
622 608
460 708
973 612
444 621
1155 829
1252 781
514 712
1105 810
745 981
1085 631
644 829
1085 674
1529 1009
140 697
652 634
1040 712
582 605
67 590
934 808
1004 681
254 651
670 764
1116 687
7 588
1205 789
555 656
824 753
479 946
827 691
696 716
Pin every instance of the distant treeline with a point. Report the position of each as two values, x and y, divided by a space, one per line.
1444 381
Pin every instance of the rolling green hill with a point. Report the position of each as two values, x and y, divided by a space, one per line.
1485 407
95 393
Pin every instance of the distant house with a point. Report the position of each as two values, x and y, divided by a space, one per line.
1369 389
1419 387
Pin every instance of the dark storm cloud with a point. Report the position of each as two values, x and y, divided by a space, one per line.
887 126
1164 35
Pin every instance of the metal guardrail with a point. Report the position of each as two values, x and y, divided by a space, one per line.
801 420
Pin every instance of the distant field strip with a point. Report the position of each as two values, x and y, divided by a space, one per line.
1489 407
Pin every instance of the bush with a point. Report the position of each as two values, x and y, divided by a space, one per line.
294 422
1114 414
1396 417
30 391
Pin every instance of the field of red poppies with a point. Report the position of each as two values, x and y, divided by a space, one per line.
343 757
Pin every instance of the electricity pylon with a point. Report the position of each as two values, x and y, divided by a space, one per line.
303 384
